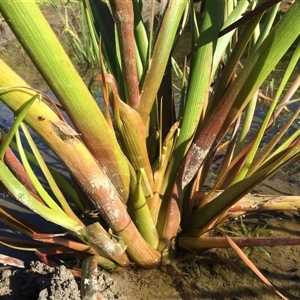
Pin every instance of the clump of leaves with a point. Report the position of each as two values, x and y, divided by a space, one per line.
142 169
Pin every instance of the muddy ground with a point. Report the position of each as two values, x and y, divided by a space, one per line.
211 274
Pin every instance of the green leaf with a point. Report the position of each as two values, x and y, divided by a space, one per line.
23 196
140 213
259 66
20 115
58 71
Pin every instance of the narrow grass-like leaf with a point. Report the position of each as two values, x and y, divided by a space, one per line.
249 263
22 195
18 119
14 164
269 115
198 88
238 95
104 24
18 223
267 25
225 39
206 242
160 56
63 184
54 188
140 34
214 209
229 72
38 186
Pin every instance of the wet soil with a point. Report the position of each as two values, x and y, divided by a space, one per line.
211 274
